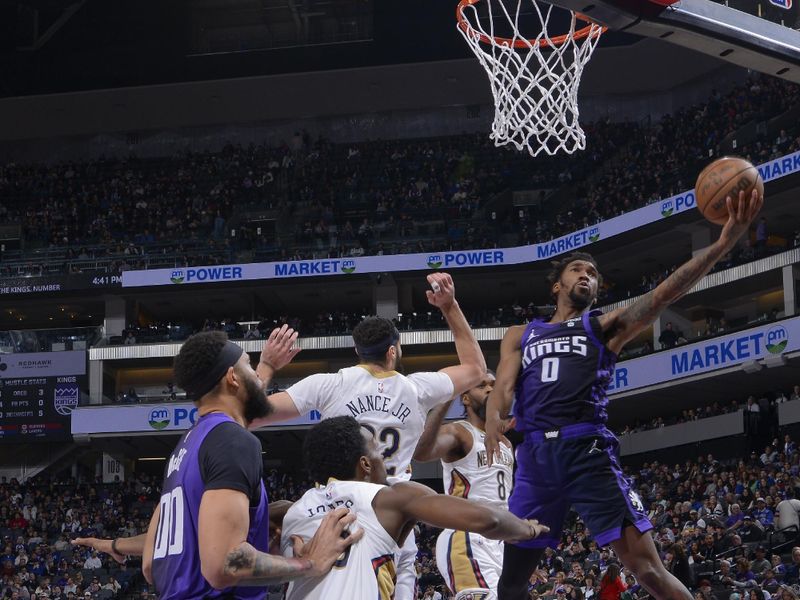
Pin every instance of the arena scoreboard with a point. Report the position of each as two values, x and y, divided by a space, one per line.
38 392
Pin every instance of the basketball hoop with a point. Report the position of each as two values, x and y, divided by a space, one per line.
534 80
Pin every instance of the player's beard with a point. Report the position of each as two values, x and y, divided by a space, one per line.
579 299
256 406
479 409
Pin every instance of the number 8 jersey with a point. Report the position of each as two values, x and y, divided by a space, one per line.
565 373
217 453
472 478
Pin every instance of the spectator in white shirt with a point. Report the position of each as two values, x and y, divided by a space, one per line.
93 562
788 511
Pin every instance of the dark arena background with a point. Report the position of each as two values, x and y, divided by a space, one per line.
174 167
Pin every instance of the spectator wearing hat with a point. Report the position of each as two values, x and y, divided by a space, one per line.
763 514
751 530
694 522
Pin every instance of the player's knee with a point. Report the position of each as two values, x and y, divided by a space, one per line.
648 574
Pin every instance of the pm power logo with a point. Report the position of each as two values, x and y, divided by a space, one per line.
435 261
594 234
177 276
667 208
348 266
777 339
159 418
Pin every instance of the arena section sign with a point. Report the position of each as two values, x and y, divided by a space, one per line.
729 350
39 391
656 211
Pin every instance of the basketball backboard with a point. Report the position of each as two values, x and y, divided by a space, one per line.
758 35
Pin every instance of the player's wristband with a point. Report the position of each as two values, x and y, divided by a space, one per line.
114 546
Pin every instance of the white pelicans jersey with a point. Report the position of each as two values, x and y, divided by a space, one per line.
366 571
471 477
391 405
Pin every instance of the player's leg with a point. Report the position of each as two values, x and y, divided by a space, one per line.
518 566
537 494
613 511
469 563
638 553
406 582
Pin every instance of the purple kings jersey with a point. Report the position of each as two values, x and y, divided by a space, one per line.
565 372
176 556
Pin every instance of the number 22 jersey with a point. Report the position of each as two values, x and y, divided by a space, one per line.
564 376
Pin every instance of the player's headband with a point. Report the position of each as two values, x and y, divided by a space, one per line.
228 356
378 349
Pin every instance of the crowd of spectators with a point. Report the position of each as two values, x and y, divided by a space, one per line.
720 526
380 197
757 408
37 521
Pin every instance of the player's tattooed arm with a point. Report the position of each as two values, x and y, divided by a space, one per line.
253 568
622 325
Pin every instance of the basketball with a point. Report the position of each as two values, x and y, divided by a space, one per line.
725 177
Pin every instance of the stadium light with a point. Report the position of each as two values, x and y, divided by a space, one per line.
752 366
773 361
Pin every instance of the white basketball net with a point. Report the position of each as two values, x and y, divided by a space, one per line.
534 79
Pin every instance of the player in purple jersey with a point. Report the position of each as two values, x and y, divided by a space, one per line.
559 370
209 535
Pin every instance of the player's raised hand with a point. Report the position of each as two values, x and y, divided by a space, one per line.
740 217
494 433
280 348
443 291
330 541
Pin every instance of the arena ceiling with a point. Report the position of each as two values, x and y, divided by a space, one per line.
141 68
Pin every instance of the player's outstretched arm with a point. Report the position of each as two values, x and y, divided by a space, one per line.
117 548
226 559
149 546
502 395
624 324
412 501
472 367
439 441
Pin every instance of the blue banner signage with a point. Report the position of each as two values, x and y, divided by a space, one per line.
692 359
662 209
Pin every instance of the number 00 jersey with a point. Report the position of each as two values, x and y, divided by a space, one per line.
565 373
366 571
391 405
176 555
471 477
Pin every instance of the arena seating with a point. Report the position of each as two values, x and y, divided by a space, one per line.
353 199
